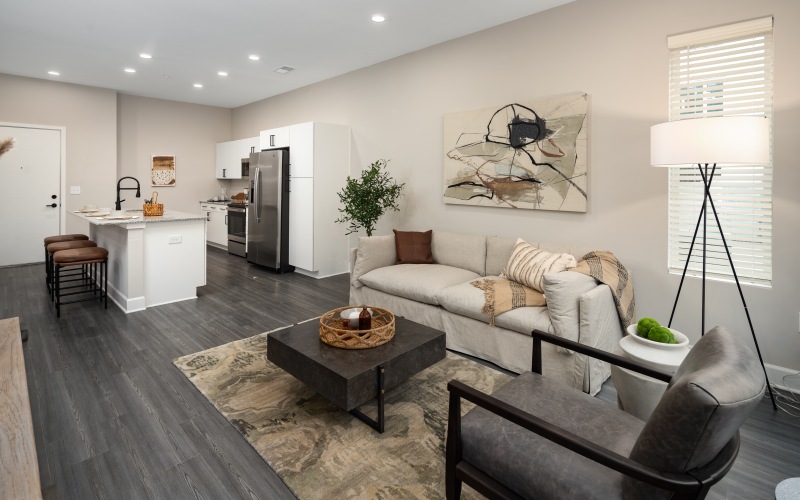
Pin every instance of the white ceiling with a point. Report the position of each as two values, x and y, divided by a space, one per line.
91 42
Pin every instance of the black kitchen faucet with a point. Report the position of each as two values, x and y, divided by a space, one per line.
118 205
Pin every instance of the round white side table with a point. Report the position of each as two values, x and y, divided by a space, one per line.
636 393
788 489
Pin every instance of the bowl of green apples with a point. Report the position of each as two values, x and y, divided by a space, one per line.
649 332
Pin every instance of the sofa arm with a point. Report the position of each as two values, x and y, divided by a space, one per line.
353 256
599 320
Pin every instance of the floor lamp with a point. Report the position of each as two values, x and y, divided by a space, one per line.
706 142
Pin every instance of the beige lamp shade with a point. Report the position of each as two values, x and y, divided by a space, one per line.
729 140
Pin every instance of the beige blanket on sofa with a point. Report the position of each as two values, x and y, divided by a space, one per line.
504 295
605 268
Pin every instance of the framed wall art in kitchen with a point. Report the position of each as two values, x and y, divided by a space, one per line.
162 170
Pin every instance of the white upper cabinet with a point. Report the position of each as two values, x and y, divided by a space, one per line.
230 155
226 167
301 150
275 138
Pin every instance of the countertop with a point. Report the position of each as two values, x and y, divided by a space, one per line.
217 202
139 217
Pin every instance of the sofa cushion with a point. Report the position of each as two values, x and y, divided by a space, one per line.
525 319
373 252
413 247
466 251
420 282
528 264
498 251
563 294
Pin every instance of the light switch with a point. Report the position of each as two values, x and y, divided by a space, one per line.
74 190
176 238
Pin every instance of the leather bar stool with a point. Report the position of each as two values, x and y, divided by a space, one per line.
57 247
94 258
57 239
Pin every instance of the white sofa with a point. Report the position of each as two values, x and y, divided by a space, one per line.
440 296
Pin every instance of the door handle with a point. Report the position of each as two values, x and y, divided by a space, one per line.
257 195
223 172
52 205
272 141
226 220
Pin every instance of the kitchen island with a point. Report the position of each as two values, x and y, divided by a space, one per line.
151 260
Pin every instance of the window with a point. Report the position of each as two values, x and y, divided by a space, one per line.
716 72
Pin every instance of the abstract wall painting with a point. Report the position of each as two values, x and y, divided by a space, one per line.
531 155
162 170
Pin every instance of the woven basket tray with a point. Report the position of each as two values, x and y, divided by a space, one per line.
334 330
155 208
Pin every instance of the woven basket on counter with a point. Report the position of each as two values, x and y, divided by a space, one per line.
335 331
155 208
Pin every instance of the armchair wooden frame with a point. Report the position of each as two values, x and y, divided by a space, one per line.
693 484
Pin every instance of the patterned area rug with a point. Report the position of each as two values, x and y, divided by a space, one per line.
321 451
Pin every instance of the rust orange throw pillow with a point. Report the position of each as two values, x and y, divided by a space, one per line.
413 247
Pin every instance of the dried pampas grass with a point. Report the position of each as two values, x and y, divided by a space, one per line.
6 145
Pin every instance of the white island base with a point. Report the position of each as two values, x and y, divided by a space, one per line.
152 260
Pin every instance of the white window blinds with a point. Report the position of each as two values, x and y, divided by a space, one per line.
722 71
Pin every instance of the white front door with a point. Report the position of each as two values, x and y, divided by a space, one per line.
30 181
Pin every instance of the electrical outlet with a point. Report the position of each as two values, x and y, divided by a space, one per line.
74 190
175 238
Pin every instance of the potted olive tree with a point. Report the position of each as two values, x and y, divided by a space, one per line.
366 199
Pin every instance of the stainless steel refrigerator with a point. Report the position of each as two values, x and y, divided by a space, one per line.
268 210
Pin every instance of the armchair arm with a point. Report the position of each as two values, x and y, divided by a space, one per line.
680 483
539 336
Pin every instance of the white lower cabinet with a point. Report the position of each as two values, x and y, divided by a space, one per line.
217 224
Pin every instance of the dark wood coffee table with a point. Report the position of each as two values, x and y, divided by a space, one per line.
351 377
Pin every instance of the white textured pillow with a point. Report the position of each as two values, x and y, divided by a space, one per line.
528 264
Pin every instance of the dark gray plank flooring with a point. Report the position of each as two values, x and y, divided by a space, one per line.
114 419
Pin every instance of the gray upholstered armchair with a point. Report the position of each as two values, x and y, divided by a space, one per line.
536 438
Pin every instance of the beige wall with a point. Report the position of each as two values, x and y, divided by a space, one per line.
90 117
150 127
615 50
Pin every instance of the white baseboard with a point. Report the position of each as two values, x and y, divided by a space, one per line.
776 374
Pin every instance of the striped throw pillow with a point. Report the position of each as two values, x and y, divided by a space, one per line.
528 264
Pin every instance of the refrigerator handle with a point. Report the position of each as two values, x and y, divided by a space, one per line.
258 195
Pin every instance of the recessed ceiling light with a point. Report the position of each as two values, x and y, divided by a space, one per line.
254 57
54 73
198 85
222 73
378 18
130 70
145 56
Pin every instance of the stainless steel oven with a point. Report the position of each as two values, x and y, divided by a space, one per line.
237 229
